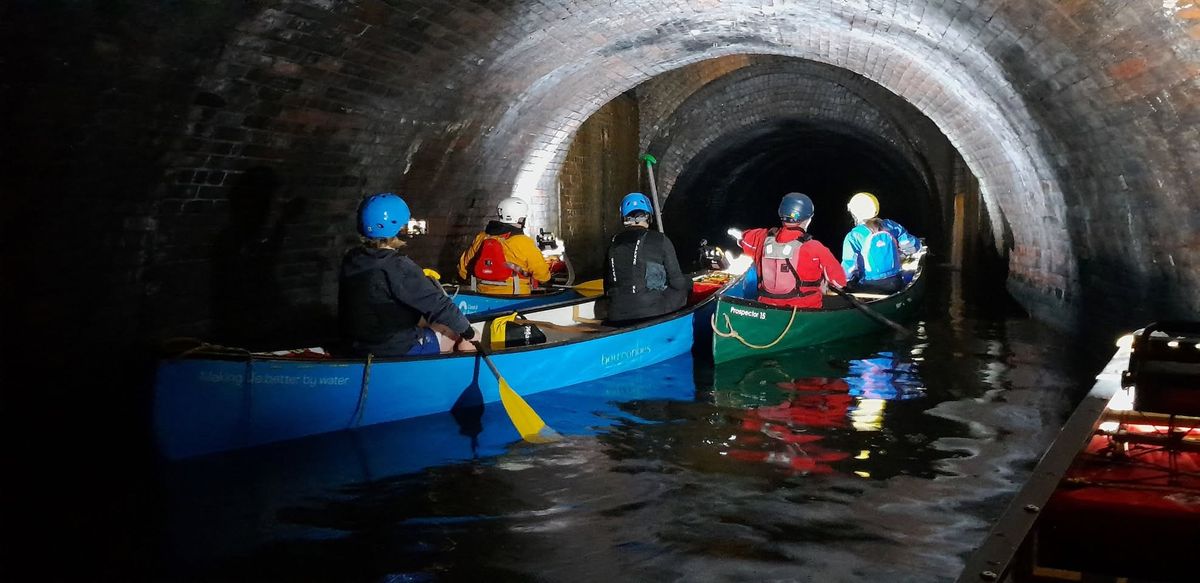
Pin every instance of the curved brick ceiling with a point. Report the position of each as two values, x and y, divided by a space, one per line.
781 90
954 83
1078 119
1010 86
772 125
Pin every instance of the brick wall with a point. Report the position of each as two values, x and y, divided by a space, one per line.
600 168
217 153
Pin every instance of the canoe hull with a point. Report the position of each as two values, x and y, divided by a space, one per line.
205 405
761 325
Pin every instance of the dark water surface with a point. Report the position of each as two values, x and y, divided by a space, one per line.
878 459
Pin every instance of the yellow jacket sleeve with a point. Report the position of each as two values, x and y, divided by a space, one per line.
529 257
464 261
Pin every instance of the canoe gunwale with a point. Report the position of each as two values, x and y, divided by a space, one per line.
537 294
485 316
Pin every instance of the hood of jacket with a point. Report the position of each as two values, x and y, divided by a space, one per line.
495 228
362 259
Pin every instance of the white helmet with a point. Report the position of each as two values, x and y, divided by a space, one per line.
512 210
863 206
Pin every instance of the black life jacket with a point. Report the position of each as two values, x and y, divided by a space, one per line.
634 264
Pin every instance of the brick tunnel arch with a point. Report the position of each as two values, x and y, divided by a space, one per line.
784 88
192 168
738 182
777 125
962 90
1080 121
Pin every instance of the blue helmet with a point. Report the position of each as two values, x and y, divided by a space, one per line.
382 216
635 201
795 207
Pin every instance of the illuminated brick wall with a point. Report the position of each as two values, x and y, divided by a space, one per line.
214 156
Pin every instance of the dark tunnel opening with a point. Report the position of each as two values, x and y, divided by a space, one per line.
738 183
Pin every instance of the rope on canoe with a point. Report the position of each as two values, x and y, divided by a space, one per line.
362 392
734 333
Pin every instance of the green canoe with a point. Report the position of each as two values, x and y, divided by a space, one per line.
744 327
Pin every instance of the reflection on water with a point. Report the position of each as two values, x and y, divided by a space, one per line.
878 459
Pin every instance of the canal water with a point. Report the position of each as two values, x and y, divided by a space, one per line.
878 459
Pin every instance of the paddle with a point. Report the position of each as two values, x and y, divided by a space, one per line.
650 162
524 418
868 311
592 286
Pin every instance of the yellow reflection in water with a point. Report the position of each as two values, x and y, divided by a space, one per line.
868 415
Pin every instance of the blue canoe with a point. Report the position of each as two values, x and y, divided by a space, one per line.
473 303
207 525
207 403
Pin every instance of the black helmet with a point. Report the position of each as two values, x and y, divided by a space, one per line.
795 207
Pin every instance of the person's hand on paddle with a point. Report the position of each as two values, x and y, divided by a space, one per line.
464 344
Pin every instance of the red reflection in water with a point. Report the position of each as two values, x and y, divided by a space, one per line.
815 402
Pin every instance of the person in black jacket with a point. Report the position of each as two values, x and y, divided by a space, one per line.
642 279
383 295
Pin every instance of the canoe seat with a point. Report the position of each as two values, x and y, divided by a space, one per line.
575 315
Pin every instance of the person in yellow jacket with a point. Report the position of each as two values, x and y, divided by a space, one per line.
503 260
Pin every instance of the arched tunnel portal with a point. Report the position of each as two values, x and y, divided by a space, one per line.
749 128
1078 125
739 182
192 169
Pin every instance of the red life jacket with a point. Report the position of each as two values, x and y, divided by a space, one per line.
788 270
490 263
492 267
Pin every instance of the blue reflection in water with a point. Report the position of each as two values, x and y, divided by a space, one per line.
884 376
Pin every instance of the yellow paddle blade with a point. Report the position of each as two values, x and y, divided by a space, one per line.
524 418
591 288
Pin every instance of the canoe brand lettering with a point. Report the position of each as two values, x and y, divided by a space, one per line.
466 308
620 357
222 378
272 379
749 313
